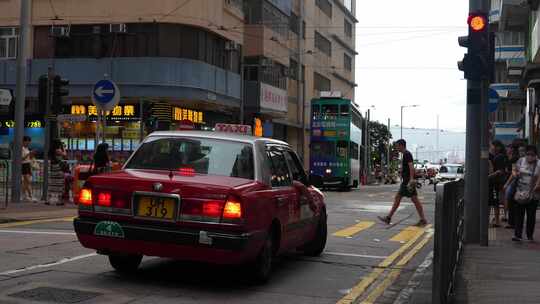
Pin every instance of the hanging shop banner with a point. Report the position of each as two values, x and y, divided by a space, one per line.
126 112
273 99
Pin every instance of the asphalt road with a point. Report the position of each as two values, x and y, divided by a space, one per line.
364 262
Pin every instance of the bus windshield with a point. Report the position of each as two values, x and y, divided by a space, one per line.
323 149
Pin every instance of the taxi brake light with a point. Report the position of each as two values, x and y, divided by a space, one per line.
104 199
212 208
232 210
85 197
187 171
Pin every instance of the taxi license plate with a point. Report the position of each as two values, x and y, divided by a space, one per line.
155 207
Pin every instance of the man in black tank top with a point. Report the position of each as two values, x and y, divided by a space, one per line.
407 187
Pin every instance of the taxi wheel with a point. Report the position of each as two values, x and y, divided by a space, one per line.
125 263
263 265
316 246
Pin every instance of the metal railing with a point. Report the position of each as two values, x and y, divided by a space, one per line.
448 241
37 179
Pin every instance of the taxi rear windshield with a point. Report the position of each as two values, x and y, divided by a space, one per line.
203 156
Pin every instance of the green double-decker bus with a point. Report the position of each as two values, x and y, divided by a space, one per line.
336 136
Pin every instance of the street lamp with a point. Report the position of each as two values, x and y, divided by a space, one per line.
408 106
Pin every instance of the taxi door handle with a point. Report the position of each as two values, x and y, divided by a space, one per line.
281 201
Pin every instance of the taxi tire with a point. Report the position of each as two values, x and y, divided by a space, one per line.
316 246
262 268
125 263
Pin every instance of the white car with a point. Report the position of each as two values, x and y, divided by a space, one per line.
450 172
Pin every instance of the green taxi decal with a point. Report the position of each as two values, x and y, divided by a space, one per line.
110 229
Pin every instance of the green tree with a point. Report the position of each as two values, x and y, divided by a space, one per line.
380 137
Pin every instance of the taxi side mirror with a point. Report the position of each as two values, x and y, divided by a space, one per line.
316 180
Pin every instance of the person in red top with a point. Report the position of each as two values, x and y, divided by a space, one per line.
407 187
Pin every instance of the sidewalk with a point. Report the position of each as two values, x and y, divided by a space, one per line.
504 272
26 211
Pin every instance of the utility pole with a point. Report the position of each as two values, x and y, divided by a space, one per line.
368 147
388 149
300 84
20 99
46 145
437 141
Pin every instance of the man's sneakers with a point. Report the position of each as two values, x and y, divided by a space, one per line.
421 223
385 219
516 239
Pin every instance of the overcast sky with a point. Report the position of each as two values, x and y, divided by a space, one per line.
407 55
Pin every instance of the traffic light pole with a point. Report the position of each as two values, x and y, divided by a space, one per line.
476 163
48 130
20 100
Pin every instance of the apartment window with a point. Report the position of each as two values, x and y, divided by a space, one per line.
275 20
293 69
349 5
325 6
8 42
235 3
304 30
321 83
323 44
347 62
348 28
510 38
294 24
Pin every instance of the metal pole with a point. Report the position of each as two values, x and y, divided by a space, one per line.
484 165
474 187
401 124
299 81
46 146
242 90
388 150
437 140
20 98
368 148
141 125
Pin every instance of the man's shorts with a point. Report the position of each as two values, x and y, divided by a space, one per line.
405 191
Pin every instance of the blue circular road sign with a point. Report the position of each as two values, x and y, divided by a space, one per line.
105 94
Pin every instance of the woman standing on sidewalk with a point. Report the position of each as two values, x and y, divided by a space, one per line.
56 173
27 158
527 173
497 178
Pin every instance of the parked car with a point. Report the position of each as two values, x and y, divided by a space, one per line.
204 196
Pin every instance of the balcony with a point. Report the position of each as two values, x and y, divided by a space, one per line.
510 53
506 90
495 11
151 77
513 15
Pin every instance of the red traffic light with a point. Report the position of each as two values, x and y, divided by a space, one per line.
477 22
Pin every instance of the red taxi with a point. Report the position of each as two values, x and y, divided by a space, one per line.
202 196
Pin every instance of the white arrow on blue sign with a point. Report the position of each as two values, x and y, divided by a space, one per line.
105 95
493 102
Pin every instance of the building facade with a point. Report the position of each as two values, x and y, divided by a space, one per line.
508 19
192 62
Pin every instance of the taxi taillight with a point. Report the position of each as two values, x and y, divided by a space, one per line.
232 209
85 197
104 199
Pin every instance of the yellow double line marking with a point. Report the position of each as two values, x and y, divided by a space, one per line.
358 290
32 222
350 231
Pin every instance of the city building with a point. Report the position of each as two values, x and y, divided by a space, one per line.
183 62
508 19
531 75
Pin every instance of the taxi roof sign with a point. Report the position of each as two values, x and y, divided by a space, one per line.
233 128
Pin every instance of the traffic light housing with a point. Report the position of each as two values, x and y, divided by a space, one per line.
60 90
478 63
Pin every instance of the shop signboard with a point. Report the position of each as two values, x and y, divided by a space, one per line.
232 128
71 118
273 99
181 114
126 112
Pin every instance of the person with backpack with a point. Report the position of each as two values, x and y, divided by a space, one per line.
526 184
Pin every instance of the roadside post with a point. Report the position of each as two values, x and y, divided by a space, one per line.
105 96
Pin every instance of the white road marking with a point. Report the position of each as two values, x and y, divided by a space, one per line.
355 255
59 262
38 232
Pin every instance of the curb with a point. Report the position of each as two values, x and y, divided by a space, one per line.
406 294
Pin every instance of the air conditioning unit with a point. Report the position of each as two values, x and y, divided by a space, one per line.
118 28
60 31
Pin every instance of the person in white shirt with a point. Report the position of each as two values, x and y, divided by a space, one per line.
27 158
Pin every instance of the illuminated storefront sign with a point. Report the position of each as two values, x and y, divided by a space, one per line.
180 114
29 124
120 112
